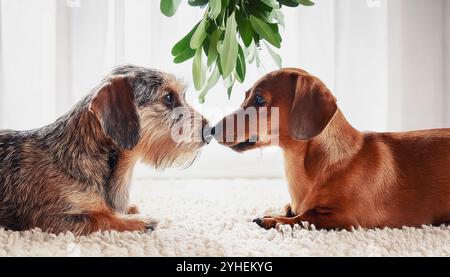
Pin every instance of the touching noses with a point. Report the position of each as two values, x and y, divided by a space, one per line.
208 132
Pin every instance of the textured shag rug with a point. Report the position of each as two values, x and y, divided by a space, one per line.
214 218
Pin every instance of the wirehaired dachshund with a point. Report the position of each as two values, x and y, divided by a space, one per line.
74 174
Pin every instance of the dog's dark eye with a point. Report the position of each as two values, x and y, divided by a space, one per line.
168 98
259 100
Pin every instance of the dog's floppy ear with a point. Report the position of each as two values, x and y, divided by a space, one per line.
312 109
114 105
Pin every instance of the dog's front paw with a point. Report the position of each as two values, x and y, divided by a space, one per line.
142 223
150 223
266 222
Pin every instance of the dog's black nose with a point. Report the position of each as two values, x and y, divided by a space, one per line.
258 221
208 133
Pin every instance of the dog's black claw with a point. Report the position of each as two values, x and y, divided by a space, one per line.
258 221
151 225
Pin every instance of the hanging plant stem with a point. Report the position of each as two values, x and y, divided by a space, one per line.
228 37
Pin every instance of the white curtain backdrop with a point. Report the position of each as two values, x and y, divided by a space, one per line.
387 62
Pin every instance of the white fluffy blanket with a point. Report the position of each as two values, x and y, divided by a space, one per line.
214 218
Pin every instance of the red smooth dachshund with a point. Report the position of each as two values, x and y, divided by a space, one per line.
339 177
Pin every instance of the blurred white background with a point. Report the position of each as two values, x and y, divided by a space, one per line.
387 61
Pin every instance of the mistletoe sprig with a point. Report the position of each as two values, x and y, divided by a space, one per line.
228 38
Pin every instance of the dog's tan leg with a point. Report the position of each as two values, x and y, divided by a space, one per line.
99 220
107 220
90 213
268 222
320 221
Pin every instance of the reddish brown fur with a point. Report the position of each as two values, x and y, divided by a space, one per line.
344 178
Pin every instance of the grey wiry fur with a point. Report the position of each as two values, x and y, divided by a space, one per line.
74 174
